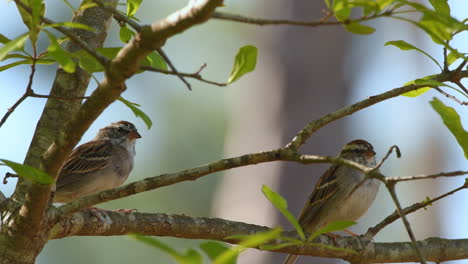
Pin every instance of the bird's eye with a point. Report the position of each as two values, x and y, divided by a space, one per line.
120 129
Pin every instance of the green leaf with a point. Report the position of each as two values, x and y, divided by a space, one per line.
384 3
90 64
438 25
16 56
282 205
125 34
341 9
403 45
357 28
190 257
452 57
417 92
441 6
85 5
137 112
368 7
29 172
249 242
428 82
214 249
12 45
63 57
245 62
71 25
155 60
32 20
13 64
132 7
4 39
440 31
332 227
453 123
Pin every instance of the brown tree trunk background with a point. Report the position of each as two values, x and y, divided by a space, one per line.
313 86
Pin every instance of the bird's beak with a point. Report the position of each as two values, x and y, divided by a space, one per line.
134 135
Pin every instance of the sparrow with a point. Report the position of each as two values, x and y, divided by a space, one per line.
335 196
100 164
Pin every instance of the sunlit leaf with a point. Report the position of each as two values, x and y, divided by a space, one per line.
132 7
417 92
453 122
341 9
125 34
63 57
452 57
357 28
441 6
137 112
13 64
403 45
12 45
282 205
214 249
85 5
332 227
71 25
32 20
155 60
90 64
29 172
250 241
245 62
4 39
190 257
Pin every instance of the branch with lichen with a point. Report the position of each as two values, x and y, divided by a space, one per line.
110 223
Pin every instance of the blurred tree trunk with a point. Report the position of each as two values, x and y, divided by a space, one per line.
314 85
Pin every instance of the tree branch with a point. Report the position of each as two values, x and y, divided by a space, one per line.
195 173
310 128
266 22
196 75
86 223
408 210
428 176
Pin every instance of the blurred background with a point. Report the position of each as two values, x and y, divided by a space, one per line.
302 74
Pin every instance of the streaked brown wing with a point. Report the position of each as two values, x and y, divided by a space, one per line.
83 161
326 187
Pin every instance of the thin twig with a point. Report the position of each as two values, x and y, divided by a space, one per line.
26 93
428 176
398 153
371 232
196 75
445 59
264 22
302 136
450 96
57 97
173 68
391 189
9 175
12 108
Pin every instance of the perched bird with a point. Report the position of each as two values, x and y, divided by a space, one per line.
100 164
335 197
